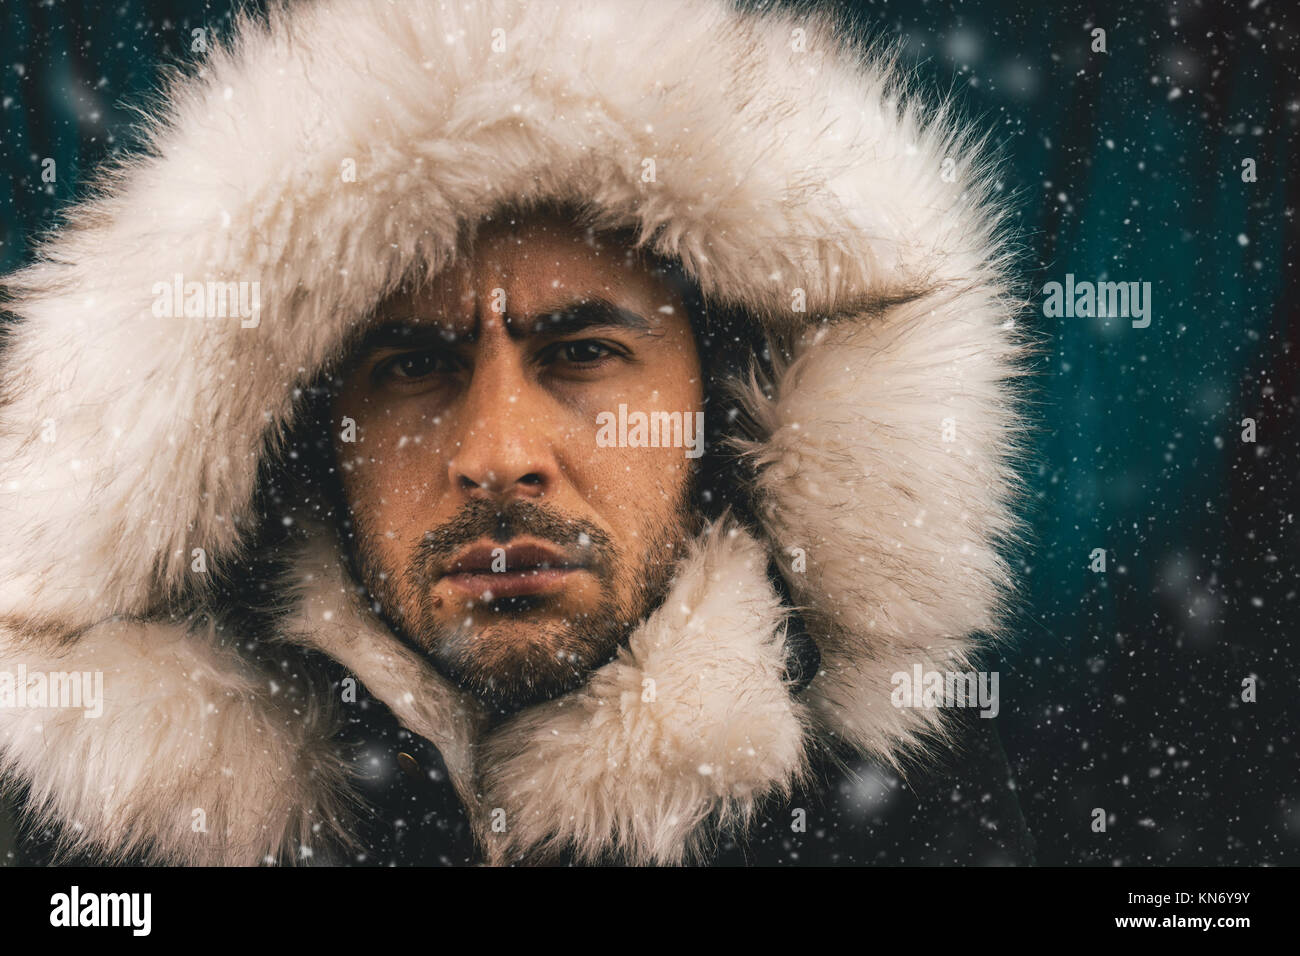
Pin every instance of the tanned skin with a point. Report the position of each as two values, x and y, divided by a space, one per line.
475 399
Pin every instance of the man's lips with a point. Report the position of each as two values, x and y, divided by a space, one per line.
527 569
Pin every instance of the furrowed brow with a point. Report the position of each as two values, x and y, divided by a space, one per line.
405 334
592 312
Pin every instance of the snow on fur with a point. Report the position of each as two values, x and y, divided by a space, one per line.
776 170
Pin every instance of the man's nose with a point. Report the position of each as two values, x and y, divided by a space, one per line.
505 448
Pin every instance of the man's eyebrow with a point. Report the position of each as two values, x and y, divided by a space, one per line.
586 313
589 312
408 333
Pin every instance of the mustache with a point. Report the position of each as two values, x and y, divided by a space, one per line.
502 522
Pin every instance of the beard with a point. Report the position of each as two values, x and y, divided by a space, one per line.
503 655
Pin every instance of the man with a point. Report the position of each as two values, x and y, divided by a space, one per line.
494 527
606 460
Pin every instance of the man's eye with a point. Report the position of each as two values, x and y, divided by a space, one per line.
413 366
582 352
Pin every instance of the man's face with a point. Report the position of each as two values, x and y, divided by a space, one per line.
492 526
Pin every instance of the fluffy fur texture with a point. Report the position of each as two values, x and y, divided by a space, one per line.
194 759
128 440
692 722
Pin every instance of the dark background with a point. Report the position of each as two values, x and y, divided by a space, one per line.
1121 690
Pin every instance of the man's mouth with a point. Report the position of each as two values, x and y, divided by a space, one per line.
488 571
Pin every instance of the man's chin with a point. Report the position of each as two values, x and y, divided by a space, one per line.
511 665
505 694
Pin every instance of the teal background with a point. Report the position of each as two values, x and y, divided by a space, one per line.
1121 690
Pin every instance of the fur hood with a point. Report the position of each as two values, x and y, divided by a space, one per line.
327 151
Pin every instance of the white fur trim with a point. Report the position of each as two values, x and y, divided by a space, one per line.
194 760
776 170
899 526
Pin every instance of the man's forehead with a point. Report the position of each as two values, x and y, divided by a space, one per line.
522 307
506 299
536 274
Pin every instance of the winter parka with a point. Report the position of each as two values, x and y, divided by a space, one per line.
255 709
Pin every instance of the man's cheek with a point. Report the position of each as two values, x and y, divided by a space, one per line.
640 490
382 514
